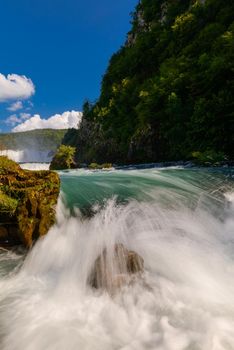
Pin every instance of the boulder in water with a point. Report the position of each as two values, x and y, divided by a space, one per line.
115 268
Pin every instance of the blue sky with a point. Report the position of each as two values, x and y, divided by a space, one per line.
63 47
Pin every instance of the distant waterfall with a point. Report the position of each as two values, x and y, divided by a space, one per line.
28 155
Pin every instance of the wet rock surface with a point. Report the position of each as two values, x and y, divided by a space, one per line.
116 268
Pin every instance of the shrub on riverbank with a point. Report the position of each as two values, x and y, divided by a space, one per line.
209 157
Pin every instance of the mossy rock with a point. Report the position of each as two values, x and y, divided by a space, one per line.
64 158
8 204
7 166
27 202
209 158
95 166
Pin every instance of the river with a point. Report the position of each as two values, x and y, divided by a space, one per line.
181 222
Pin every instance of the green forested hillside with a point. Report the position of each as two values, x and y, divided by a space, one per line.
168 92
41 139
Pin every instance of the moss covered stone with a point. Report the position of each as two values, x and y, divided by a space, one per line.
27 202
95 166
64 158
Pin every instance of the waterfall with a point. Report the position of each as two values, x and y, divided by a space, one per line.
27 155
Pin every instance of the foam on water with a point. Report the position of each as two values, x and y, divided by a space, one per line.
35 166
184 302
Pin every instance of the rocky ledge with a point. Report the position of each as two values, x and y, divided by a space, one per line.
27 203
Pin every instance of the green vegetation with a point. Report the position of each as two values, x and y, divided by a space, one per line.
94 166
27 202
41 139
209 157
7 204
168 91
7 166
64 158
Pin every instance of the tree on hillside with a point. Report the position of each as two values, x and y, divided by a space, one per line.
168 92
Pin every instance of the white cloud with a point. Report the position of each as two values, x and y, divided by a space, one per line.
15 106
16 119
24 116
30 105
14 87
66 120
13 120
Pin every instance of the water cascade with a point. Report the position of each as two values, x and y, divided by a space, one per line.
180 224
28 155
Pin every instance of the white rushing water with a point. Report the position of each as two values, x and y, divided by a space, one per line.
29 159
184 302
35 166
27 155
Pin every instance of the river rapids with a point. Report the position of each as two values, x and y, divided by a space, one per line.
180 221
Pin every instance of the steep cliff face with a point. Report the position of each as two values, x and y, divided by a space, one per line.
168 91
27 203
